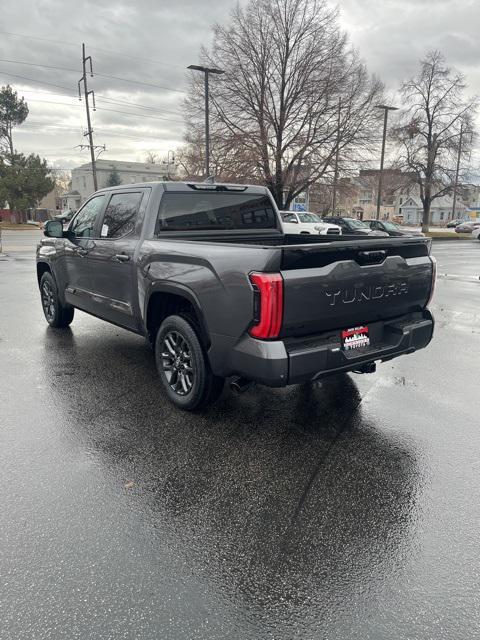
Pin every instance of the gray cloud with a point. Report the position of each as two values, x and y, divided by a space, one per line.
147 41
154 41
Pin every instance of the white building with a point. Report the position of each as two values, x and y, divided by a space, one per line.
127 172
441 210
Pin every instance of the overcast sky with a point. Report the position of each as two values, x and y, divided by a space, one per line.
146 41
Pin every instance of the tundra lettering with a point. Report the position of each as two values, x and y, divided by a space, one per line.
358 294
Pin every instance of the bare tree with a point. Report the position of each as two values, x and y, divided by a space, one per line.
151 157
292 94
431 133
62 180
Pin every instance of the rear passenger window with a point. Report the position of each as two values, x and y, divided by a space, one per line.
121 215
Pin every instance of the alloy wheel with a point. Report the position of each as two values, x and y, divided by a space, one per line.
48 301
177 363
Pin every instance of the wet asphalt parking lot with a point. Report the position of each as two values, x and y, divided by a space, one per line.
343 510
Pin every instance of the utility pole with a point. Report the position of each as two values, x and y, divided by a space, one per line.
87 93
386 109
337 152
457 172
207 71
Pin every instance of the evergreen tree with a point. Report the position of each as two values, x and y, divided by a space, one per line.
114 178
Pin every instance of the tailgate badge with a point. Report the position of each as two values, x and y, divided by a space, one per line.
363 294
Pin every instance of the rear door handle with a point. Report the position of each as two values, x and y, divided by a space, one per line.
122 257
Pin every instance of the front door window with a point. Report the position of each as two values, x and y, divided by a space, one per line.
84 223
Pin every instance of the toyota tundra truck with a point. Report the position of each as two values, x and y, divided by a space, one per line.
206 274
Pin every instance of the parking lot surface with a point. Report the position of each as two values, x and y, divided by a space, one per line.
347 509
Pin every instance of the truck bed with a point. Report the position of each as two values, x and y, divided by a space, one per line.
332 282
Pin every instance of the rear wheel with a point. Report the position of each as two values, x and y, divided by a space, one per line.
56 314
183 366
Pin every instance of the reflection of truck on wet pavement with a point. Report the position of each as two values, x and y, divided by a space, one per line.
207 274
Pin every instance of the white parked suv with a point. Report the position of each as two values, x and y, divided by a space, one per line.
476 233
305 222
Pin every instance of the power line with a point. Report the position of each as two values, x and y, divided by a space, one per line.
100 75
145 84
105 132
51 84
109 51
97 108
135 104
105 98
37 64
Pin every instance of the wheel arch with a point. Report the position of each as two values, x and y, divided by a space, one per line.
167 299
42 267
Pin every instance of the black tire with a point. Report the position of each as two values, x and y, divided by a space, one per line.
56 314
183 366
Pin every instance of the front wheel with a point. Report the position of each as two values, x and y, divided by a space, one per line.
56 314
183 366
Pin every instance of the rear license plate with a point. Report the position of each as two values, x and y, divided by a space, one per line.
355 338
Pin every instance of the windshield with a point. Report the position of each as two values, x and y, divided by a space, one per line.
355 224
308 217
390 226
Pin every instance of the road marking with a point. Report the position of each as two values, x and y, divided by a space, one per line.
453 276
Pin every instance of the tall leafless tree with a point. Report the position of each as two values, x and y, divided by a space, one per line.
289 74
438 117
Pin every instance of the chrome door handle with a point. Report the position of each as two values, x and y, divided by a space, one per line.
122 257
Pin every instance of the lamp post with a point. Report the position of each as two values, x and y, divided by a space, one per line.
386 109
207 71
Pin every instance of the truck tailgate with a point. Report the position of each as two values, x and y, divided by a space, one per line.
333 286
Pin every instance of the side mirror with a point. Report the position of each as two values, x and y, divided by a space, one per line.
53 229
294 220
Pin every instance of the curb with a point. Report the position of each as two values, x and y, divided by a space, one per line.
450 239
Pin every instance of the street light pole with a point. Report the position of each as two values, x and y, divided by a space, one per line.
207 71
457 170
386 109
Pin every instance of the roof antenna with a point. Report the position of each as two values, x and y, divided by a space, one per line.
210 180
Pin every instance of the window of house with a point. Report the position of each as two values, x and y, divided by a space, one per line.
121 215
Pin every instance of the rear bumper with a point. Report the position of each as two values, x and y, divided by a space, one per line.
293 360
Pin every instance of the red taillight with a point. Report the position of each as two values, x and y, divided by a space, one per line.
434 278
268 289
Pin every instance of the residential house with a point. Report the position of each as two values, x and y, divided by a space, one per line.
441 210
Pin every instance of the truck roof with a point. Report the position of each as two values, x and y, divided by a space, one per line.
192 186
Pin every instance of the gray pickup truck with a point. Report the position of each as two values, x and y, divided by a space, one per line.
206 274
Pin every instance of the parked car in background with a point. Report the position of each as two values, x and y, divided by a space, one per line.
467 227
476 233
65 216
391 228
352 226
454 223
304 222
